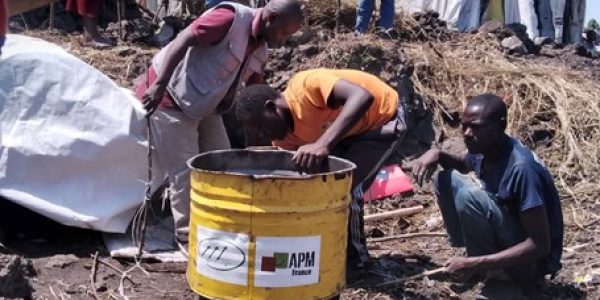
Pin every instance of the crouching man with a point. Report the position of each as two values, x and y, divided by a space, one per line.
347 113
509 218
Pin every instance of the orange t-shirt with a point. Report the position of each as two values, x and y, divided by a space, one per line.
307 94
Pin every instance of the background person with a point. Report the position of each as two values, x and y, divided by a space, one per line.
89 10
364 12
510 216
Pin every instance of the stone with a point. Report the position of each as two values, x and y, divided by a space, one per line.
61 260
490 27
514 45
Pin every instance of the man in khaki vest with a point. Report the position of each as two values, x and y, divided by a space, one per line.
188 80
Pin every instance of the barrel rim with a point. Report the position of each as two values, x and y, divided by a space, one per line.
349 169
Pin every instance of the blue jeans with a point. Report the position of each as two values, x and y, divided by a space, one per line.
473 218
365 11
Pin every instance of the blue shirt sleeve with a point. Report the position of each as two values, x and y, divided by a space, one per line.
526 186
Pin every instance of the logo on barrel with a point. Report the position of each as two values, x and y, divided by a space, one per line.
300 263
221 255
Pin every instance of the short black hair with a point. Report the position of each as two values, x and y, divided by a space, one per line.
494 108
251 101
289 9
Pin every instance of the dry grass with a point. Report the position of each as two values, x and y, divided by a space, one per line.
122 63
545 100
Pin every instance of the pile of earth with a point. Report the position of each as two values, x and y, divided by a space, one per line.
15 273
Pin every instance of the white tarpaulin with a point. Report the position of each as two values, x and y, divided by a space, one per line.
463 15
72 143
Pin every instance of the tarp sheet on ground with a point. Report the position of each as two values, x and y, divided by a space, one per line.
72 143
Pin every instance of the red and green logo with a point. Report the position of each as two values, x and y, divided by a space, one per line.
279 260
284 260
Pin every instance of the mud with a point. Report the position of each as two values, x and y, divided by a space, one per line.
15 273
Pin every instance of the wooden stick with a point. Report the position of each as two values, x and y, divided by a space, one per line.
116 269
119 20
51 19
580 246
93 276
403 212
417 276
338 17
406 236
24 22
591 222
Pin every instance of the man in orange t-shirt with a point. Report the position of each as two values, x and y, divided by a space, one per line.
347 113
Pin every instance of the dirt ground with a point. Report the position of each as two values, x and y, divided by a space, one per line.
44 260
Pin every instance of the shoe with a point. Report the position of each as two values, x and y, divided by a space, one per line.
387 34
101 43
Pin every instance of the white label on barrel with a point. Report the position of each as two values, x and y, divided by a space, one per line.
222 255
287 261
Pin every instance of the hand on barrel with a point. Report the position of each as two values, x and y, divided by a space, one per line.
308 158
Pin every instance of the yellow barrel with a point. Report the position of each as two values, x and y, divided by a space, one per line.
260 230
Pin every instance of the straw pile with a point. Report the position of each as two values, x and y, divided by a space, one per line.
123 63
553 110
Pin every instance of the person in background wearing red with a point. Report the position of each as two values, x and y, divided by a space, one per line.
88 10
3 22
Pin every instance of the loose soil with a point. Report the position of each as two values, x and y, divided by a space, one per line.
43 260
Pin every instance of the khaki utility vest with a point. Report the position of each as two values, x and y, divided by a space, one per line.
205 75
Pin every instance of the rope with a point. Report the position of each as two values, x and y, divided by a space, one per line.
138 229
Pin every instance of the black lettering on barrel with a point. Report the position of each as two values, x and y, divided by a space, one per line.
310 259
293 261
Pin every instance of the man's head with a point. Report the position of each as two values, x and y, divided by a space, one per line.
281 19
483 123
258 111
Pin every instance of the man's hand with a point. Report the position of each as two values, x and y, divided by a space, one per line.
425 166
462 266
309 157
152 97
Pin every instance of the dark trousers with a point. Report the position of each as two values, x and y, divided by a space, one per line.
369 151
367 154
476 221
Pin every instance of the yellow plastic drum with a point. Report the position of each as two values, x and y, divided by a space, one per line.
260 230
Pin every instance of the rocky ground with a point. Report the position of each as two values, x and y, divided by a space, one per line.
42 260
